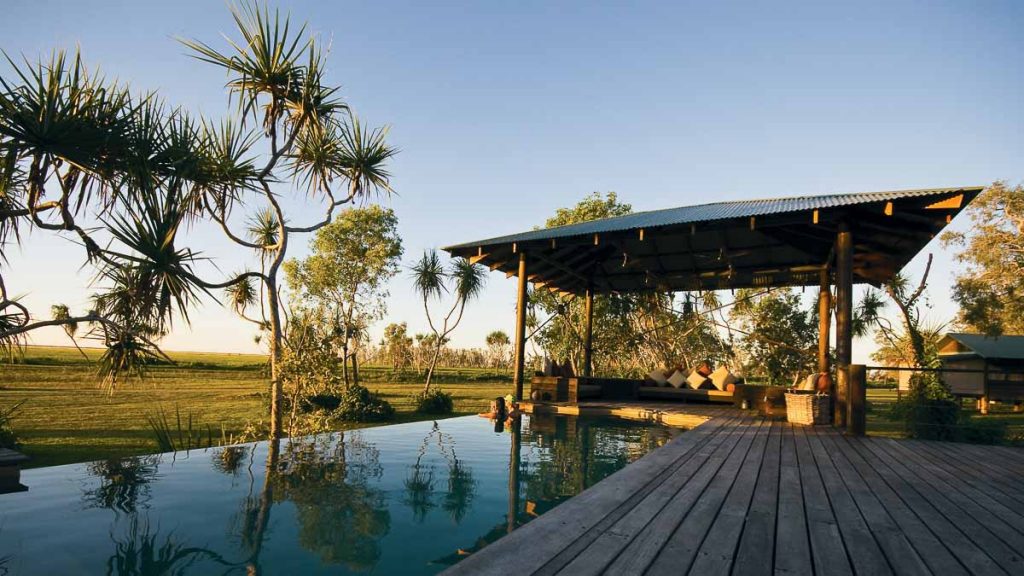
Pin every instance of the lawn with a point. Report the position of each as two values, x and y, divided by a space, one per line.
67 417
880 400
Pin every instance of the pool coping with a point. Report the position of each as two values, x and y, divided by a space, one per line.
673 414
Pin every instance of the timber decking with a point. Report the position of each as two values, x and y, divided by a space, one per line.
745 495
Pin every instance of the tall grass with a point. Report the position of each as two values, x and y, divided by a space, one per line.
183 436
8 439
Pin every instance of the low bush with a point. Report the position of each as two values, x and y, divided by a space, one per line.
358 404
326 401
434 401
928 412
980 431
8 439
928 418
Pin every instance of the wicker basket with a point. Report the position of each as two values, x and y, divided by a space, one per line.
807 408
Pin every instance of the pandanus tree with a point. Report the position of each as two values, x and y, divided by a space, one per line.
432 281
122 174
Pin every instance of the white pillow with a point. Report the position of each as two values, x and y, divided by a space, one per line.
695 380
658 376
722 377
677 379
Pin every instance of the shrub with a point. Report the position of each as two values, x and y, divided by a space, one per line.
928 412
928 419
357 404
980 431
325 401
434 401
8 439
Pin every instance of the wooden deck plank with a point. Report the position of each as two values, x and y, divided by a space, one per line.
756 553
1001 483
1000 459
969 523
969 497
718 551
828 550
593 551
642 550
887 518
931 549
862 548
981 465
550 533
742 495
679 552
955 540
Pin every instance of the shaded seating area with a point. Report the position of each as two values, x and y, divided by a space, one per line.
827 242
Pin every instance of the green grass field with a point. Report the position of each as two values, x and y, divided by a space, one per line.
67 417
880 401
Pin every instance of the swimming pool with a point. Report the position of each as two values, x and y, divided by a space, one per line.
402 499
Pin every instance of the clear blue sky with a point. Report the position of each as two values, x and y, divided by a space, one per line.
506 111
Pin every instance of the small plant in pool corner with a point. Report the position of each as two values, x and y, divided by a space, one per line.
183 435
434 401
8 439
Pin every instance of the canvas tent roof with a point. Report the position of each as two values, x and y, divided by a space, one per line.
1005 347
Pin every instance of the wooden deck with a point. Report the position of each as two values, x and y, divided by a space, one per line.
745 495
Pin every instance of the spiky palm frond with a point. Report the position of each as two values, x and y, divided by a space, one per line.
12 317
62 313
469 279
312 98
241 295
867 313
264 66
263 229
229 169
61 113
364 156
157 275
126 356
428 276
316 157
13 181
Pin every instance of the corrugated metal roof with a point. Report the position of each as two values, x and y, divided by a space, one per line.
710 212
1007 347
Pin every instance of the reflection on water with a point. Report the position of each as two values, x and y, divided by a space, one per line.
124 483
341 512
411 498
143 550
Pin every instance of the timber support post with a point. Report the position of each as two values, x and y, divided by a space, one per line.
983 401
588 335
520 333
856 400
514 461
824 323
844 322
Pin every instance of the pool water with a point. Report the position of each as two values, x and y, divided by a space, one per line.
402 499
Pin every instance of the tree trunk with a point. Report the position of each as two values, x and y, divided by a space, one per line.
433 363
275 358
355 366
344 363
